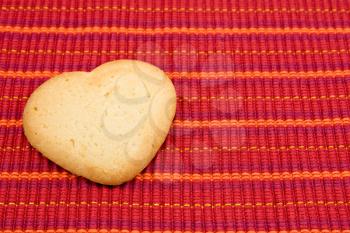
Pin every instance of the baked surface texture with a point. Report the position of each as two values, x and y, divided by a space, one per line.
105 125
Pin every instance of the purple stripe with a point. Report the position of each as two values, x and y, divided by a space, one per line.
237 110
178 42
275 191
174 42
197 110
126 218
209 162
179 62
234 86
274 136
239 4
245 86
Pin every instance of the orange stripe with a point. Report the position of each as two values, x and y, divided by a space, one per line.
11 123
174 9
15 98
259 123
174 52
244 176
257 98
173 30
191 177
233 123
180 205
221 148
206 75
168 231
35 175
28 74
256 148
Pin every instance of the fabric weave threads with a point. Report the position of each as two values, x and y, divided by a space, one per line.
260 142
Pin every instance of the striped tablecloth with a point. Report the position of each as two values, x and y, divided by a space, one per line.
260 142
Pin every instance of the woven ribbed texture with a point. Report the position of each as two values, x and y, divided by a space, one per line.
260 141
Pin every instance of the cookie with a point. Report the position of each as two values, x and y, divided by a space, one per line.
105 125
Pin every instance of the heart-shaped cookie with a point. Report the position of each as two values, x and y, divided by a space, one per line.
105 125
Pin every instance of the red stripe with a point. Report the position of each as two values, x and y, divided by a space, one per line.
248 110
239 4
205 162
287 139
174 43
167 19
168 231
309 216
290 62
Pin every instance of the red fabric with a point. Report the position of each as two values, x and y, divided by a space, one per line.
260 142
